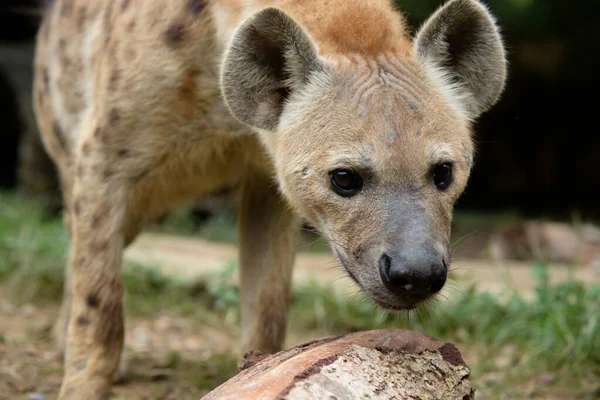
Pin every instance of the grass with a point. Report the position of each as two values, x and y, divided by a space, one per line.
32 250
556 333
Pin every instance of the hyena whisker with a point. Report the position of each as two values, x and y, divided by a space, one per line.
308 245
462 268
465 236
454 287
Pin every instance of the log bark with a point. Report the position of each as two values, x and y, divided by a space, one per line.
379 364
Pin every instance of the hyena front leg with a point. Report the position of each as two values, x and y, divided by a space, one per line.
268 237
95 329
62 322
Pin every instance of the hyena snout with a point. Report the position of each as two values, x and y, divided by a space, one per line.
413 277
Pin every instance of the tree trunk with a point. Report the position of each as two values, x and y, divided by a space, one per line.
379 364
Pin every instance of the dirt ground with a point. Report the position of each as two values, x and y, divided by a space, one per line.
171 357
158 350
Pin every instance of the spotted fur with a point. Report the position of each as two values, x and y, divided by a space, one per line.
146 104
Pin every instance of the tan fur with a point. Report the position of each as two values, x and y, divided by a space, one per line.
129 97
334 25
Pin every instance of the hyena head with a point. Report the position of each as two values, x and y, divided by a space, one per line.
373 150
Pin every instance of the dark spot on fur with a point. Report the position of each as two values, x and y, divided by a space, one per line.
95 221
129 53
135 179
174 35
81 17
418 132
98 132
100 246
113 80
82 320
76 207
130 26
67 8
124 5
62 45
92 301
46 78
86 148
111 331
123 153
65 61
196 6
112 49
113 117
79 261
79 95
305 171
108 23
186 104
107 173
59 135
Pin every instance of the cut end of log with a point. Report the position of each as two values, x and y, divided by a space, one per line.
378 364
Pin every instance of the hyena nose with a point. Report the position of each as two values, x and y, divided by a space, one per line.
423 277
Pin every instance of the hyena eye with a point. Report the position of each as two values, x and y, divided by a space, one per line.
442 175
346 183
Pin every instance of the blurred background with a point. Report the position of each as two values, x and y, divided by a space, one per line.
532 197
538 151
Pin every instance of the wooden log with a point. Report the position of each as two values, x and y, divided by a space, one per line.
378 364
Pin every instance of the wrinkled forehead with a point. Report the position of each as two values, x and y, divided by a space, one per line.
387 110
384 112
383 86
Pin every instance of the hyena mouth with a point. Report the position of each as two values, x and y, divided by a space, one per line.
394 307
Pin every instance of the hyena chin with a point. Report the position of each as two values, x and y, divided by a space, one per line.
327 111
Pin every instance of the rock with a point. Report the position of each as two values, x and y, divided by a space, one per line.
7 308
28 309
548 241
378 364
36 396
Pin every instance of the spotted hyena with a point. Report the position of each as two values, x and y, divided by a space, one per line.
328 111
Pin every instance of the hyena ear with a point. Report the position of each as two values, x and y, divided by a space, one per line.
461 45
270 56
